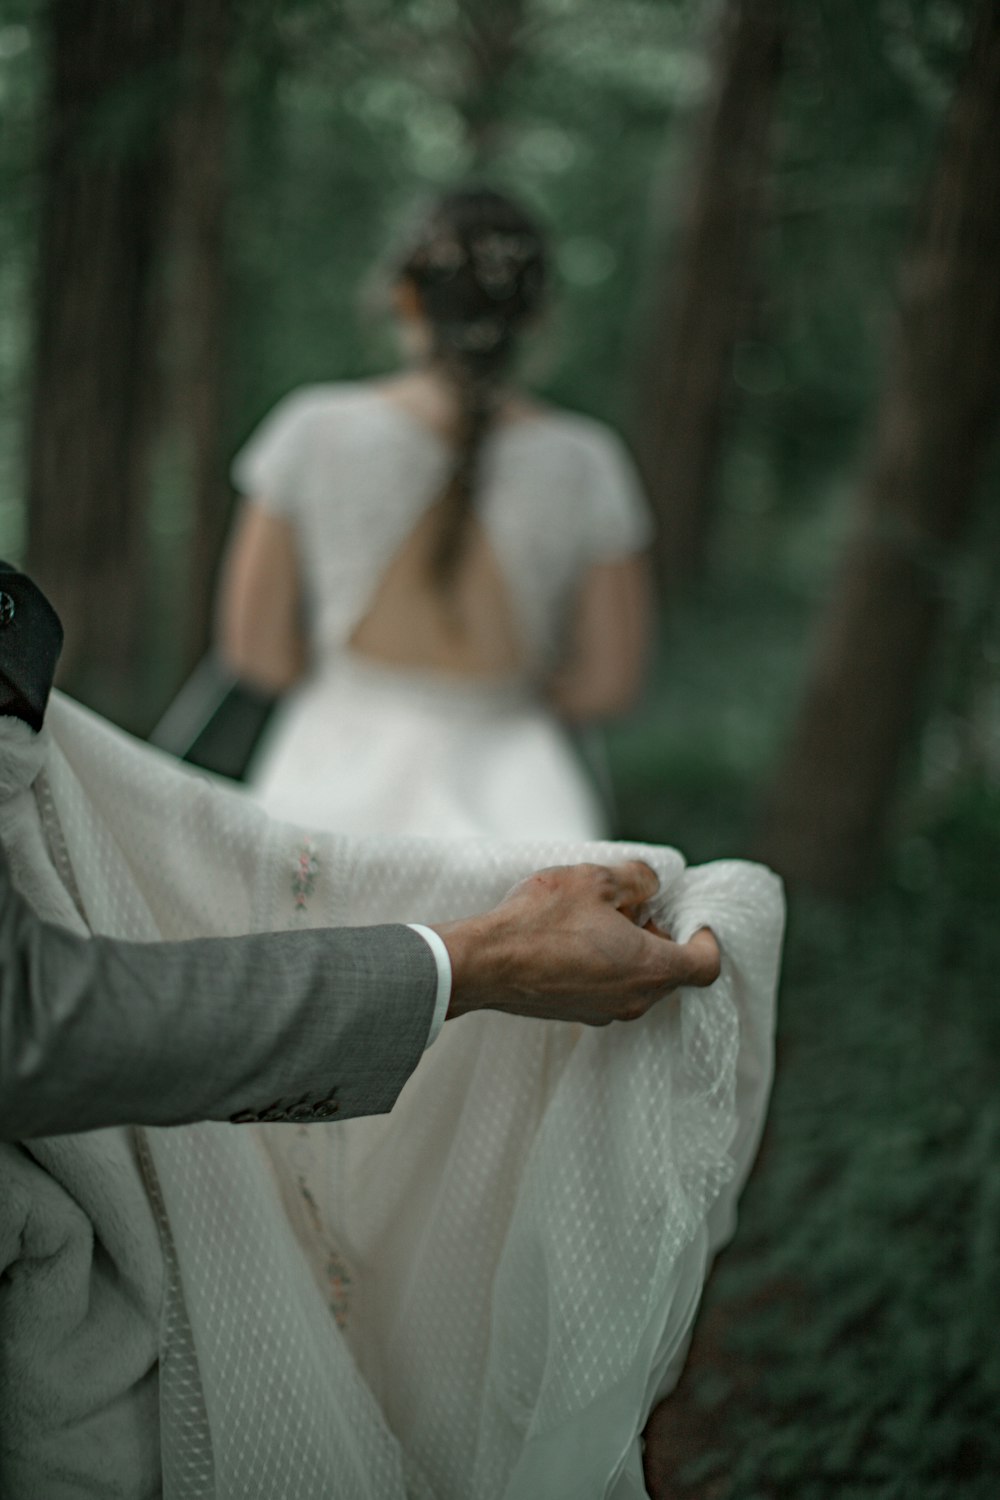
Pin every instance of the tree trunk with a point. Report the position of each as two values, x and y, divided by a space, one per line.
703 306
198 305
493 36
112 86
938 411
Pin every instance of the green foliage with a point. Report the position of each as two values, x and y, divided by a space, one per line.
349 123
858 1304
344 116
20 79
846 1346
863 96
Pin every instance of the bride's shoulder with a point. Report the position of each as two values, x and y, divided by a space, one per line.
318 399
290 439
311 419
600 475
585 438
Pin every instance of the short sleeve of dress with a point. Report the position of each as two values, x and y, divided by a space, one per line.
269 468
620 519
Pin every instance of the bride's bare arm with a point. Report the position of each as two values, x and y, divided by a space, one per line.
606 654
564 945
260 634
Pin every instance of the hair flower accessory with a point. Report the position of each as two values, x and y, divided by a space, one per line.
499 259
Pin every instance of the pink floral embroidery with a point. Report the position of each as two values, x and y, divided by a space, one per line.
338 1278
304 874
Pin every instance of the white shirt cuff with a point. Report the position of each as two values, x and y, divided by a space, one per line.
436 944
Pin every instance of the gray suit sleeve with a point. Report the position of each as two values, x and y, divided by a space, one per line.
302 1026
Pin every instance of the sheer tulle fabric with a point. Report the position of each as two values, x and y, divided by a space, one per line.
481 1293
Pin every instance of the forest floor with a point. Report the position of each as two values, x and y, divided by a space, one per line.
848 1342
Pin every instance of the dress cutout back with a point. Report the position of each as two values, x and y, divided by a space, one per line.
356 475
411 622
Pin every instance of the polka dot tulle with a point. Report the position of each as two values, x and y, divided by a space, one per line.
518 1248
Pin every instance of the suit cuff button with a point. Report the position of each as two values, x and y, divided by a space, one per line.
245 1117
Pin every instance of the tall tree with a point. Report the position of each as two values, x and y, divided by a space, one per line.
703 303
493 34
112 85
196 336
938 411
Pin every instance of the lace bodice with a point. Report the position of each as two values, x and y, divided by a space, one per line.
355 472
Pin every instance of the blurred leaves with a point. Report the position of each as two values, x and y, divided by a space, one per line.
346 114
847 1345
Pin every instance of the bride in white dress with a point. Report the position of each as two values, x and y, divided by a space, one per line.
438 572
441 573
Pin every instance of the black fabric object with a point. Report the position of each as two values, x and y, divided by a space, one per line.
31 637
215 721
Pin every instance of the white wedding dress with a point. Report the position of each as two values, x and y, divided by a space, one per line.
480 1294
516 1253
366 748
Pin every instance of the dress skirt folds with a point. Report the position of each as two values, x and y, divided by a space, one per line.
365 748
480 1294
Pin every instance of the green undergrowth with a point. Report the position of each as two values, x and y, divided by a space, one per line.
848 1344
860 1301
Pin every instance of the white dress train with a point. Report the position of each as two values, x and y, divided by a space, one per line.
479 1294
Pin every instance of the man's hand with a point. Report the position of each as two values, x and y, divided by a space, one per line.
564 945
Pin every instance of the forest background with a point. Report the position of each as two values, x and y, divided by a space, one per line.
777 231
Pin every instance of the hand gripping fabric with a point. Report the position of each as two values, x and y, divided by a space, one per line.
482 1293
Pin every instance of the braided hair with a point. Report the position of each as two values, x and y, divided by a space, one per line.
478 265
